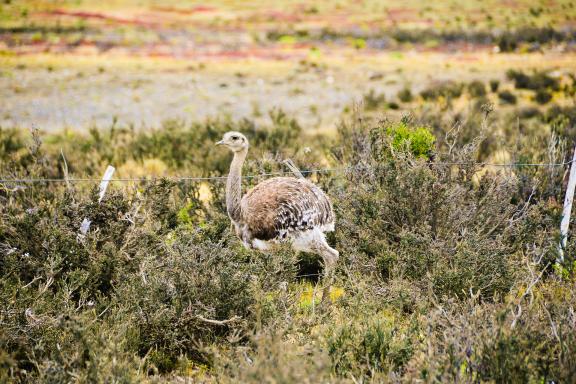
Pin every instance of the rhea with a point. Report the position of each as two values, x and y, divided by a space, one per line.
279 209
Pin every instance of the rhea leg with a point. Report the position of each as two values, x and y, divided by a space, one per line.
315 241
330 257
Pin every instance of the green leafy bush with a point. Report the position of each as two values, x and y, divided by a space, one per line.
419 141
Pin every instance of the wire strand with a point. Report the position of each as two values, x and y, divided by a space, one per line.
280 173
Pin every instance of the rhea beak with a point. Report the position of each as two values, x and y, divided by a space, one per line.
221 142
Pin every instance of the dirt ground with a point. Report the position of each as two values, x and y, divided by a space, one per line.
83 91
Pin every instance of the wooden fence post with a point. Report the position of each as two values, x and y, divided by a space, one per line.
85 226
290 164
568 199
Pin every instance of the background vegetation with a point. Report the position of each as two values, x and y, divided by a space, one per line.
447 269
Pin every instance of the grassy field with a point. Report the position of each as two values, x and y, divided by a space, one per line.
447 269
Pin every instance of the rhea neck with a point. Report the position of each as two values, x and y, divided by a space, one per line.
234 185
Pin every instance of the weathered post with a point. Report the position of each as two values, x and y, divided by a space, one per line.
568 199
293 168
85 226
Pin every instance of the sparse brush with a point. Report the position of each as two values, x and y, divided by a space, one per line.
477 88
507 97
542 96
405 95
494 84
447 89
539 81
445 274
373 101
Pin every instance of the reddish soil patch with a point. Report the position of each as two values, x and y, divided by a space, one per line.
467 59
101 16
402 15
187 11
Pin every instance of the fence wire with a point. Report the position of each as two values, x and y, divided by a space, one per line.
280 173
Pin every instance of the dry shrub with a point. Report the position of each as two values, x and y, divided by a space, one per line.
445 273
274 359
446 89
423 221
476 342
177 294
539 81
371 344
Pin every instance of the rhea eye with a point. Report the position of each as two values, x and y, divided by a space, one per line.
235 137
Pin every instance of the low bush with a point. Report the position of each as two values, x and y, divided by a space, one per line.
494 84
447 89
558 114
489 343
529 113
419 245
446 269
477 88
542 97
539 81
373 101
371 343
405 95
507 97
511 40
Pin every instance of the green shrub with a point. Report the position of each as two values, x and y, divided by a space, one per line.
12 142
373 101
477 88
542 97
405 95
557 111
191 282
398 212
507 97
419 141
494 84
371 344
537 81
446 89
510 40
481 343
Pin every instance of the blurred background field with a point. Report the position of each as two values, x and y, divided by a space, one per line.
80 63
448 267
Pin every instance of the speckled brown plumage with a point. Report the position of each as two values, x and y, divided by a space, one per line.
279 207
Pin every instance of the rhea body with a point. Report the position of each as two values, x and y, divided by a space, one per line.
279 209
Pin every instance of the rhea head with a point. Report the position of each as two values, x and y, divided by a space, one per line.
235 141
